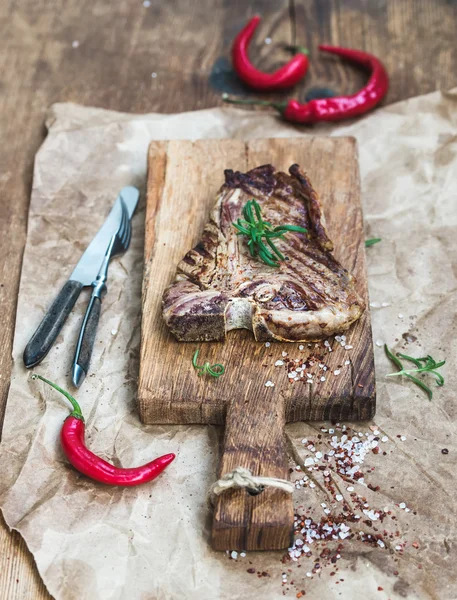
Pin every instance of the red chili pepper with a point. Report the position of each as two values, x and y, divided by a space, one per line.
338 107
91 465
285 77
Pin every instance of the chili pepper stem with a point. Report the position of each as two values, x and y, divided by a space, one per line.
278 105
76 412
298 50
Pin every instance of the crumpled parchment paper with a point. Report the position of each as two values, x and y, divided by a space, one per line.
91 541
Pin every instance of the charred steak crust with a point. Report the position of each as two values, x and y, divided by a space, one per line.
219 286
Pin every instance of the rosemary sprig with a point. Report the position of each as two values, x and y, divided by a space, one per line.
426 364
260 233
372 242
206 369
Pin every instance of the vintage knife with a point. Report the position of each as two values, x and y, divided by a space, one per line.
83 275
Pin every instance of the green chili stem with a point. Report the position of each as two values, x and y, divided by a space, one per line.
278 105
76 412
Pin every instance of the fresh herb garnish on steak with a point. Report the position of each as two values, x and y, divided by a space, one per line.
426 364
260 233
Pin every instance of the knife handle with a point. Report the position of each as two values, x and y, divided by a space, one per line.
86 340
41 341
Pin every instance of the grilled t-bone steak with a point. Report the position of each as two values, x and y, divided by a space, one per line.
219 286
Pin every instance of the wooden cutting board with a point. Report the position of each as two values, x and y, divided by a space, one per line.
183 179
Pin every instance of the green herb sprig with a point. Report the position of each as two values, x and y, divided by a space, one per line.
426 364
372 242
206 369
261 234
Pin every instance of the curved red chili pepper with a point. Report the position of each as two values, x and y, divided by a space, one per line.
91 465
343 107
338 107
285 77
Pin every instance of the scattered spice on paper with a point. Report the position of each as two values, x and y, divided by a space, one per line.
348 513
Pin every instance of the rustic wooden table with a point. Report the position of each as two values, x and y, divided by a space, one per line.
103 53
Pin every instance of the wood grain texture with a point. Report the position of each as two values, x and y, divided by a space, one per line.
265 521
183 179
178 204
120 45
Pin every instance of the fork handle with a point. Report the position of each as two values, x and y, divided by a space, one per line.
86 338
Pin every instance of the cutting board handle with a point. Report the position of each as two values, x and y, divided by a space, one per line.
254 439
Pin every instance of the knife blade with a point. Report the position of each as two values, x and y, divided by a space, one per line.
87 268
84 273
